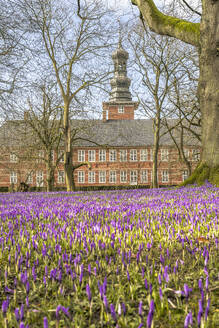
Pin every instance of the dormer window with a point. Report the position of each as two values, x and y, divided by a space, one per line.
121 109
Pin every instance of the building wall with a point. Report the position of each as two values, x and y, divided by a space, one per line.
171 165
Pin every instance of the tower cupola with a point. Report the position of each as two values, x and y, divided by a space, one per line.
120 105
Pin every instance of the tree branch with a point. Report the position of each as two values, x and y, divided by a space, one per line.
167 25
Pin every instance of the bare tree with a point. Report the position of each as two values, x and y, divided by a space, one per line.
67 47
157 61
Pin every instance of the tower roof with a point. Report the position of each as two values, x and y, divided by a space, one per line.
120 82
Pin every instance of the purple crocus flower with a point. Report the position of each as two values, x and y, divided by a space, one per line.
150 289
58 309
128 276
207 309
22 325
123 308
160 293
159 279
207 283
200 312
5 305
105 302
146 284
17 314
150 314
22 311
45 322
141 325
112 311
200 284
140 308
88 291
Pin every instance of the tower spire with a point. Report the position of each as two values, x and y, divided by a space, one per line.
120 82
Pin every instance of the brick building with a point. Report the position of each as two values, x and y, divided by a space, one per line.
119 148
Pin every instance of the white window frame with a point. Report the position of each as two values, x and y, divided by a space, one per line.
30 178
102 155
164 155
123 155
61 177
134 176
39 179
81 177
91 155
133 155
112 155
187 153
13 177
143 155
121 109
185 174
52 156
13 158
91 176
144 176
81 155
165 176
41 156
112 176
102 176
195 155
123 176
61 153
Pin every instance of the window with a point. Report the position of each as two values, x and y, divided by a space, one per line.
185 175
151 155
61 177
39 179
165 176
123 155
133 155
144 176
112 155
61 156
91 155
52 155
102 176
187 153
81 155
143 155
102 155
121 109
13 158
81 177
195 155
13 177
30 178
112 177
164 154
123 176
40 156
91 177
133 177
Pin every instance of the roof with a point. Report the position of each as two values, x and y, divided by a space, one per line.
112 133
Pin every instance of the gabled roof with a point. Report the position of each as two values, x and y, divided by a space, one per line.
113 133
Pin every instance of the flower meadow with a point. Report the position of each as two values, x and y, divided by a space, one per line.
128 258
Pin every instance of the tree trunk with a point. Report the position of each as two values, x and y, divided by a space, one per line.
209 82
68 150
155 152
50 177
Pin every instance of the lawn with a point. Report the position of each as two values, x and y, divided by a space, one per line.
136 258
